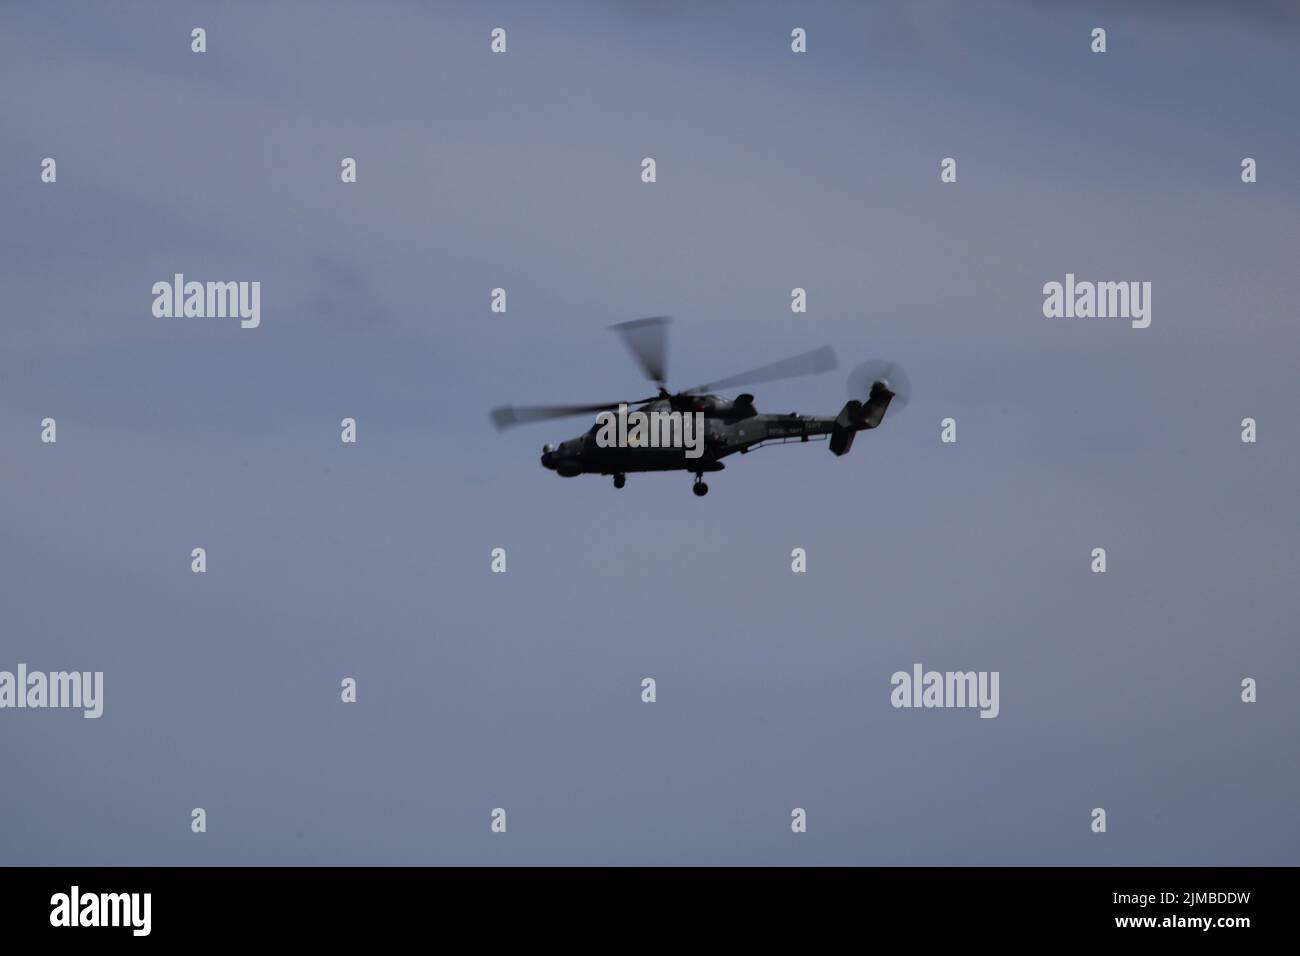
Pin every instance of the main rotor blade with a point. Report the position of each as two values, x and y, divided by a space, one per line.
647 339
807 363
506 416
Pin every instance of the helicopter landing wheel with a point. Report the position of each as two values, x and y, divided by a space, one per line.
700 488
620 481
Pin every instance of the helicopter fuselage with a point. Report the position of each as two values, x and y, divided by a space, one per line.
694 430
731 426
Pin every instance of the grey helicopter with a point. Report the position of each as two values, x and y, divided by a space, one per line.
730 425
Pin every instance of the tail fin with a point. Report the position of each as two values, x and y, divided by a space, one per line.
846 426
873 413
855 417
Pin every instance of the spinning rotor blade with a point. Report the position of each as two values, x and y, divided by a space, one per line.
880 370
807 363
505 416
647 339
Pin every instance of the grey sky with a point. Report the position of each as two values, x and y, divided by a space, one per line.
522 690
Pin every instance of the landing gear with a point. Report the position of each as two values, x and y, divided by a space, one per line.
700 489
620 481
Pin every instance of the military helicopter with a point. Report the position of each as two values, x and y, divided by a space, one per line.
731 425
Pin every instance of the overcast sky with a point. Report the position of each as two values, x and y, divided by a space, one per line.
522 690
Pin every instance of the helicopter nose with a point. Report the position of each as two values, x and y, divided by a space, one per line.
548 457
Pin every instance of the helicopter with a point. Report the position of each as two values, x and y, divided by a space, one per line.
730 425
